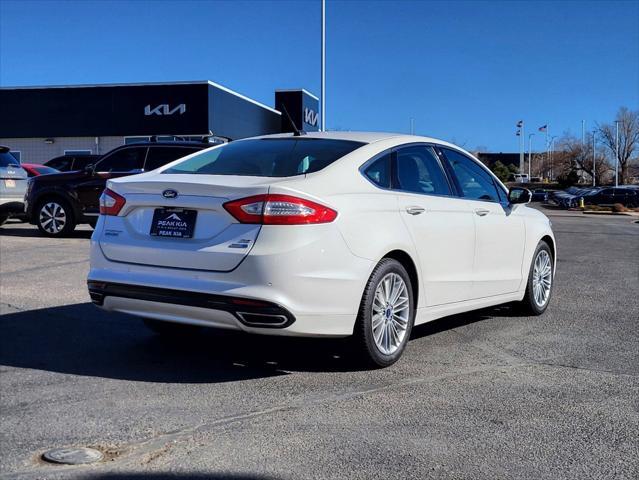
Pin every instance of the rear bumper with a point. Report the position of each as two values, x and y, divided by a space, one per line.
251 313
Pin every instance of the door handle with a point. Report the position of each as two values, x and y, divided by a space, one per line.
414 210
482 212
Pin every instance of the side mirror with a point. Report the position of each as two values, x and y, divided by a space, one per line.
89 168
519 195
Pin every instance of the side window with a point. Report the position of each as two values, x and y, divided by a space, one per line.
475 182
419 171
160 156
379 171
125 160
62 163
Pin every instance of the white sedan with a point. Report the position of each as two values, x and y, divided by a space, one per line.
325 234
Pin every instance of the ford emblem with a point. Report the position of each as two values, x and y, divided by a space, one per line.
169 194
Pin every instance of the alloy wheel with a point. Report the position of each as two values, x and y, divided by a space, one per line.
391 310
542 278
53 217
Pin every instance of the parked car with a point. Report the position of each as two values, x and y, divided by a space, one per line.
611 195
572 200
57 203
70 163
330 234
540 195
570 197
13 184
518 177
35 169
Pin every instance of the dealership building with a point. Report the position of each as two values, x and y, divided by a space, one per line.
40 123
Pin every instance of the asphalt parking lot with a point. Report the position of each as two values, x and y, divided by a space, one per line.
489 394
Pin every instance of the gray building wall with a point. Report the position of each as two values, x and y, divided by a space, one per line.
36 150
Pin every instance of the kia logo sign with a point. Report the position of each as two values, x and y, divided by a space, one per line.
164 109
310 117
169 194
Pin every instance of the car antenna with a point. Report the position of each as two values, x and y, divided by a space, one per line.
296 131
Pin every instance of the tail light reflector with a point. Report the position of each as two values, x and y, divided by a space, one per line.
111 203
276 209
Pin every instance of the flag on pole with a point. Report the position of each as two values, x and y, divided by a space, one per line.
520 123
543 128
518 133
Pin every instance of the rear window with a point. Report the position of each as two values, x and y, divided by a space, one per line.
7 159
43 170
273 157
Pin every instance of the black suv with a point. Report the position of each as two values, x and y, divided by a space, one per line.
56 203
609 196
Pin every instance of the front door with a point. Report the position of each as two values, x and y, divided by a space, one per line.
500 231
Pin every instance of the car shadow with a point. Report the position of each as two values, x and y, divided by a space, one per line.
83 340
25 230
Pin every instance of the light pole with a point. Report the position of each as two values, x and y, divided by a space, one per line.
552 144
594 159
522 138
616 153
530 135
323 81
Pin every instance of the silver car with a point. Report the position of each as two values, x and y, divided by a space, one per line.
13 185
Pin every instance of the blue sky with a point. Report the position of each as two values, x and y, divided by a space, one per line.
465 71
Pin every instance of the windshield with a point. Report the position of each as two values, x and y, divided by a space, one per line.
273 157
7 159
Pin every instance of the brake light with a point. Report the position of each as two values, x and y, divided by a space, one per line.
275 209
111 203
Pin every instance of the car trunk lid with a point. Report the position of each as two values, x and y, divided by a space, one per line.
218 241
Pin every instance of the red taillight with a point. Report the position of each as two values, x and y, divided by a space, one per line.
275 209
111 203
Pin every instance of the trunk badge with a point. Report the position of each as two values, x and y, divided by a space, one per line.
169 194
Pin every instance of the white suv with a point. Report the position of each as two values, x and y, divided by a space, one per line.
325 234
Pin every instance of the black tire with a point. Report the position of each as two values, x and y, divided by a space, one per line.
529 305
169 329
42 213
366 350
3 218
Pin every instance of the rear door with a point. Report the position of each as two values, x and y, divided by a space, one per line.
500 234
119 163
441 226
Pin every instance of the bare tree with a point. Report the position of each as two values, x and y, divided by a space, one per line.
628 138
574 156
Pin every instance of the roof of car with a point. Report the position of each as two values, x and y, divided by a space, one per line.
364 137
177 143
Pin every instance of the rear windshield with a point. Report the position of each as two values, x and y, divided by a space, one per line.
44 170
273 157
7 159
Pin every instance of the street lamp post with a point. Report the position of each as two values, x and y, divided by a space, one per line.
616 153
594 159
530 135
552 146
323 80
